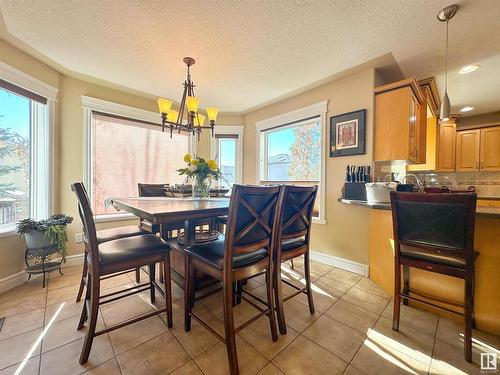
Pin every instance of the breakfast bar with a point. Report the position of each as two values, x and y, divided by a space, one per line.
449 289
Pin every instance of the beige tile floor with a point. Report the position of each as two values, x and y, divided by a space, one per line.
350 333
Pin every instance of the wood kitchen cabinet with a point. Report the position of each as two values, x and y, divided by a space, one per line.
400 123
490 149
446 146
467 149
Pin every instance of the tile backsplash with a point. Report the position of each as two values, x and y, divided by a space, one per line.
486 183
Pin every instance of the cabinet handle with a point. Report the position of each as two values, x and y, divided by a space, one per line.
482 166
477 165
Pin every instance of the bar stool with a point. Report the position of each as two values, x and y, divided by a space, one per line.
291 241
106 235
435 233
246 251
112 257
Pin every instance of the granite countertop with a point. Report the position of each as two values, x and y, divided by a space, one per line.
491 212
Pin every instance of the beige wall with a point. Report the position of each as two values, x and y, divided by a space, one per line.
346 233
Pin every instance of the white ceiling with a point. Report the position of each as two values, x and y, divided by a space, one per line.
251 52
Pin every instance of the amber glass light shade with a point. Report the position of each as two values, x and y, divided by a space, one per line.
212 113
164 105
192 103
172 115
199 119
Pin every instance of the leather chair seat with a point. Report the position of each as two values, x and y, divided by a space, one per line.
434 257
129 249
213 254
117 233
292 243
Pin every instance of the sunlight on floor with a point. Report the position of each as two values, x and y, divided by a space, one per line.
38 340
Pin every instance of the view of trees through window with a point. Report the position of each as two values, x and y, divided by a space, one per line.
294 154
15 134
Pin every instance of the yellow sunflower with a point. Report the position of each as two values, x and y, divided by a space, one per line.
187 158
212 164
194 161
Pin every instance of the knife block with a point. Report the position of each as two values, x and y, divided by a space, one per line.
355 191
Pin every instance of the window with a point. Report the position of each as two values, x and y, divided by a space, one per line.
25 168
226 149
125 152
291 151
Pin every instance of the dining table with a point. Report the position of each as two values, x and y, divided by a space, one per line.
164 212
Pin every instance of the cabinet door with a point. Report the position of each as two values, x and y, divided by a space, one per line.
446 147
413 129
468 150
490 149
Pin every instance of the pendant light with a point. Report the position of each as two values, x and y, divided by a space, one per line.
445 15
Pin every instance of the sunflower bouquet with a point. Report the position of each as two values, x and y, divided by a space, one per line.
201 172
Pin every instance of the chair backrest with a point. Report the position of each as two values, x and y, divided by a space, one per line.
151 190
87 217
441 223
251 221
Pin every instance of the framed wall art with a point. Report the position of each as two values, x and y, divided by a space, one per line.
348 134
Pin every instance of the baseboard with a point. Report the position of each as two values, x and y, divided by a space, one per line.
20 278
342 263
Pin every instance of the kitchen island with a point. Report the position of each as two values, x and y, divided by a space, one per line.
486 242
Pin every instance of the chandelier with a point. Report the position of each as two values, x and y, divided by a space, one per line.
194 121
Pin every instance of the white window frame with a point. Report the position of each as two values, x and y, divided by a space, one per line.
318 109
42 137
214 149
90 105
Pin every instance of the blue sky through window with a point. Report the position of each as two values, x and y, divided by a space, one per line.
280 142
15 112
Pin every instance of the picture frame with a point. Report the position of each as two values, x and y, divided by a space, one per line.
348 134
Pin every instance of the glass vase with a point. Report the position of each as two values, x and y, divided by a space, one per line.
201 188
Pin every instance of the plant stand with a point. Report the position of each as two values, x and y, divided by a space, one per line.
39 261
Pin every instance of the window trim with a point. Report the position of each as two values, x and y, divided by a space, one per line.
43 144
230 129
104 107
318 109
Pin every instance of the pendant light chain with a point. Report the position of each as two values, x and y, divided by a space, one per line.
446 60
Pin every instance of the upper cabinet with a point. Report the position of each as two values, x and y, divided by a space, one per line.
446 146
467 158
400 123
490 149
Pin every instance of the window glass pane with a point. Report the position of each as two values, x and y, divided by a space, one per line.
125 153
293 154
15 155
227 161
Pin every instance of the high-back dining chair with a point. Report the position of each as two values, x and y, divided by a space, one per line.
292 240
435 233
112 257
151 190
246 251
104 236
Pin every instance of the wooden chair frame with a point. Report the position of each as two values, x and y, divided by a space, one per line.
230 276
93 299
467 273
303 212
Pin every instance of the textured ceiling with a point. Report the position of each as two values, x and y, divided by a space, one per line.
251 52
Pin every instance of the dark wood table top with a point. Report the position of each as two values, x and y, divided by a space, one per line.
160 210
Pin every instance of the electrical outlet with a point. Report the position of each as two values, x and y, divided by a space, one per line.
78 237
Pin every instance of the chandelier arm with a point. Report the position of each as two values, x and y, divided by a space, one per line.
183 104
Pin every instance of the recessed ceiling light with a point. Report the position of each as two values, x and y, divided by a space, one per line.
466 109
469 69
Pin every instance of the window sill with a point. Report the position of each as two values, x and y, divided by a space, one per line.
316 220
114 217
8 231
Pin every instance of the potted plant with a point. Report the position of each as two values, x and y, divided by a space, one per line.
201 172
46 233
